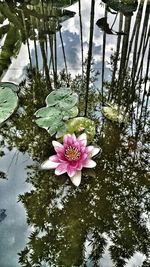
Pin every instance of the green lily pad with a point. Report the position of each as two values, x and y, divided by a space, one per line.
68 102
60 107
48 122
14 87
55 127
81 124
115 113
61 131
56 96
71 113
8 100
48 112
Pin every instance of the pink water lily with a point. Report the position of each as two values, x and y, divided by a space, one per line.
71 157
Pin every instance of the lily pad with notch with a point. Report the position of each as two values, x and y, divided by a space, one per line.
57 95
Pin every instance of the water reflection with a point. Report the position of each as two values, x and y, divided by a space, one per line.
104 222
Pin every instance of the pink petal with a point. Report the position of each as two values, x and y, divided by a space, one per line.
83 138
92 151
76 179
95 151
80 165
54 158
84 156
69 141
66 138
71 171
89 163
48 164
89 149
74 138
61 157
57 144
62 168
58 147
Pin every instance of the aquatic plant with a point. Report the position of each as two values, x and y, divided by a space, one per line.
71 157
81 124
115 113
8 100
61 105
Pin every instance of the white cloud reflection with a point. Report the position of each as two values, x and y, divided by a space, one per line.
13 229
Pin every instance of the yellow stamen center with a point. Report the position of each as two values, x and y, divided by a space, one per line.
72 153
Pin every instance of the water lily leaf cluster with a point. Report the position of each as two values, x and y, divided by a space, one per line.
8 100
60 106
115 113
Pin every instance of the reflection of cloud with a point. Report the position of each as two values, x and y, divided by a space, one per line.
16 71
14 229
136 260
71 46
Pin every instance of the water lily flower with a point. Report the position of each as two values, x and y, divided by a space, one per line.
71 157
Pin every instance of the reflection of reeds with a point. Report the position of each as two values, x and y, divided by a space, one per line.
134 31
26 33
124 49
103 60
55 53
89 54
35 45
63 50
46 69
81 37
130 83
51 53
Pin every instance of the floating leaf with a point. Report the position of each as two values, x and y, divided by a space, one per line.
14 87
56 96
61 131
60 107
48 122
8 101
81 124
71 113
115 113
68 102
48 112
56 126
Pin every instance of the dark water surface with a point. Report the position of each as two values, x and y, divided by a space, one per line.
44 219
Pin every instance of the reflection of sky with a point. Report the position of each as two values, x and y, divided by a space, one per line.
71 39
105 261
13 229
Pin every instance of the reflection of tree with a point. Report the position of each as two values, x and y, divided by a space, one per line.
112 203
65 219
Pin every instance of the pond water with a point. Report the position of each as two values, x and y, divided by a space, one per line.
101 50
